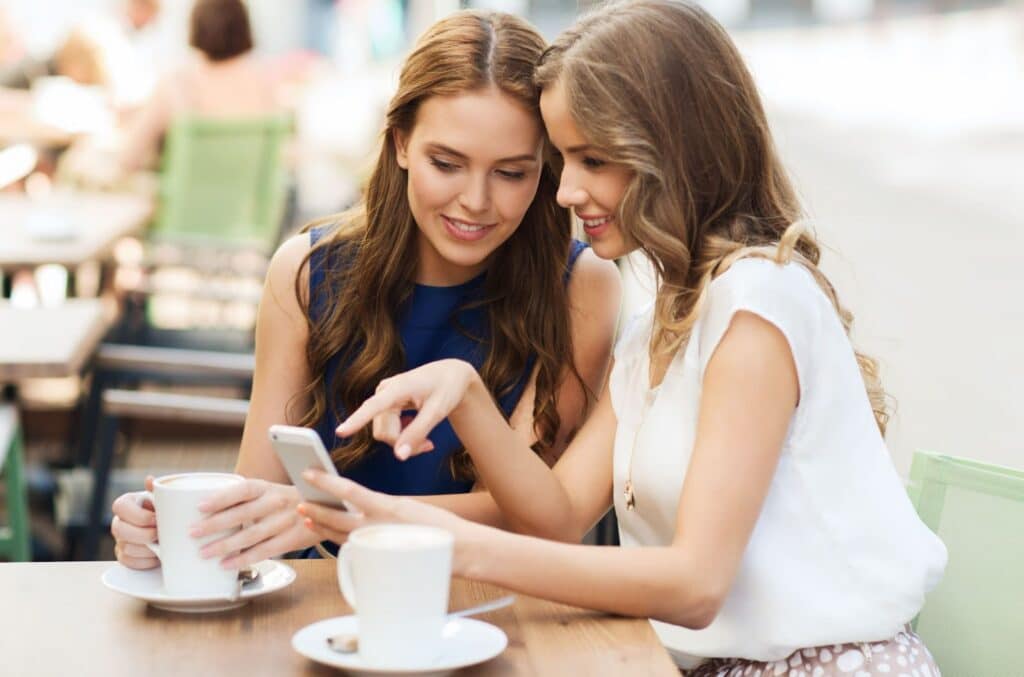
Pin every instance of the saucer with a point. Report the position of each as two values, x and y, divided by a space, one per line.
465 642
149 586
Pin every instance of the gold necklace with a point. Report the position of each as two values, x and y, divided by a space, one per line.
628 493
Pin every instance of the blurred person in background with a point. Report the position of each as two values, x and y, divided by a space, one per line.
142 14
223 80
81 56
12 48
150 49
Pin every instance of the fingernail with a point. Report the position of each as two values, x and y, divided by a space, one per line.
308 522
195 531
301 508
228 564
308 475
403 451
204 507
205 553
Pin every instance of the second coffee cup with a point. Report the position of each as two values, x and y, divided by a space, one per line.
396 578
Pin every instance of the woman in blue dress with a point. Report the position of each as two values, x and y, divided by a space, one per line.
458 249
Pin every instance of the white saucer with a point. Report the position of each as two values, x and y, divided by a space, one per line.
149 586
465 642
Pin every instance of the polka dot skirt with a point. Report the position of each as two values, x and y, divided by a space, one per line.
905 655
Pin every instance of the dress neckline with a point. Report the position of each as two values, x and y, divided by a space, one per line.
452 288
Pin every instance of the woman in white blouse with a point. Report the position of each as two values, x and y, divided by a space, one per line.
740 439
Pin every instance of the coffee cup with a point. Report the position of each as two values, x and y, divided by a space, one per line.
176 499
396 578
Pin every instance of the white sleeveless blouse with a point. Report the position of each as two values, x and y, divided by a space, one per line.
838 554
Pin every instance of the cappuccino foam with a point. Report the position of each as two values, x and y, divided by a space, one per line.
198 481
401 537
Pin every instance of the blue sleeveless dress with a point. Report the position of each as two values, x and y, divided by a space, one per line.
428 333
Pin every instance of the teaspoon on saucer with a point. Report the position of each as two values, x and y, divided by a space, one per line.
349 642
245 576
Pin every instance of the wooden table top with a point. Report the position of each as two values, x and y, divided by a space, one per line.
98 221
59 619
50 341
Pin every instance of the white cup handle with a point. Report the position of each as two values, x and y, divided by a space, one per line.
141 499
348 589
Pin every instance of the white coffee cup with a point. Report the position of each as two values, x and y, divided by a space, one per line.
396 578
176 499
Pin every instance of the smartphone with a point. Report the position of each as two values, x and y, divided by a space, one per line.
300 449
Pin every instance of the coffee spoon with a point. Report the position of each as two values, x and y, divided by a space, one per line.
246 575
349 642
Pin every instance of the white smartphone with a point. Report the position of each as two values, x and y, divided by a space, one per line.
300 449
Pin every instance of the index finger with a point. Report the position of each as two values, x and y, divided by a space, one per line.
367 411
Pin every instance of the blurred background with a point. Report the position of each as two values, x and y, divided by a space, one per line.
901 121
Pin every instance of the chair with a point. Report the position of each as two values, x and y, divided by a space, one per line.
972 622
222 183
223 189
15 539
108 404
220 214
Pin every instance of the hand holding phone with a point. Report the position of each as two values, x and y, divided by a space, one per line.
300 449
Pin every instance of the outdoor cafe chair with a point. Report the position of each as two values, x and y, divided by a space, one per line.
223 187
115 404
15 540
221 211
973 621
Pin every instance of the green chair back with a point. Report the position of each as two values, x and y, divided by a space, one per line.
15 540
973 622
222 182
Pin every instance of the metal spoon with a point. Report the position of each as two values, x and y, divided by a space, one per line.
349 642
245 576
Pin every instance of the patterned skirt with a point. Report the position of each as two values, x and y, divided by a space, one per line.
905 655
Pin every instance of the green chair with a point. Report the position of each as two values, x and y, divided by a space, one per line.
220 214
973 622
15 541
223 182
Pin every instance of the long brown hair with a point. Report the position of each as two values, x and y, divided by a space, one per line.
660 87
371 257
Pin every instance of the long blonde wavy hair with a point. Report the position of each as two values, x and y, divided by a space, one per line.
660 87
371 256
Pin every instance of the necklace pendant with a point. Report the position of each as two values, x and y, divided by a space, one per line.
630 497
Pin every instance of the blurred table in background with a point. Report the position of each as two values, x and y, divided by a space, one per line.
51 341
67 228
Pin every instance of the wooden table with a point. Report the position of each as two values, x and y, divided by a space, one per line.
59 619
99 219
51 341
